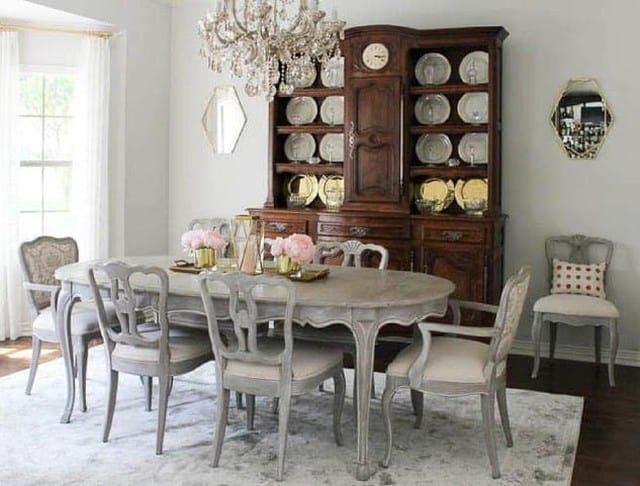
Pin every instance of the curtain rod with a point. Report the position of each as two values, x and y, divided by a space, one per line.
92 33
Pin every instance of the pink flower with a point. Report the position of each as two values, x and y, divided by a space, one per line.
213 239
299 248
192 240
277 247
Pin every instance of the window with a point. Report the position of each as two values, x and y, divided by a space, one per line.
46 153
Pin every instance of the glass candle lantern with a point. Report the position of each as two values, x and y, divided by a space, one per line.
248 242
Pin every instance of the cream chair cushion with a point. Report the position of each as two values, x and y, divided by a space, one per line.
308 360
182 348
84 320
453 360
576 305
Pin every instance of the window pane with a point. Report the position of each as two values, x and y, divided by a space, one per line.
58 95
30 138
57 224
31 94
30 188
58 140
30 226
57 188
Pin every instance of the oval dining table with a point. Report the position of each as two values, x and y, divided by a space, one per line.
362 299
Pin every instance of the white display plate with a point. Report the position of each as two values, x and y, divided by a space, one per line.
432 109
432 68
332 73
474 68
433 148
301 110
299 146
332 147
474 108
332 110
473 148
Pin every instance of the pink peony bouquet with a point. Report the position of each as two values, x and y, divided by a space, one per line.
196 239
299 248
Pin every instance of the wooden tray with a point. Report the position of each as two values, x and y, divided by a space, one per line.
188 268
310 274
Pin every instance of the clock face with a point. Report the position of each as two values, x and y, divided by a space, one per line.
375 56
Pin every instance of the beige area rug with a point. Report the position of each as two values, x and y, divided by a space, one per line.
35 449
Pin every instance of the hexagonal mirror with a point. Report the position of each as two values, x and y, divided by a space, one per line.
581 118
223 119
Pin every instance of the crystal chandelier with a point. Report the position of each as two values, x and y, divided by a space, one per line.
272 43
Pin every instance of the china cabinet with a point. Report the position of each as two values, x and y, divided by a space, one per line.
420 129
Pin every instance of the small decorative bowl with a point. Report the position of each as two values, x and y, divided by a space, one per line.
313 160
335 198
475 207
429 206
296 201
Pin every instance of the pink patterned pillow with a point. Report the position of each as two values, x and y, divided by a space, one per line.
578 278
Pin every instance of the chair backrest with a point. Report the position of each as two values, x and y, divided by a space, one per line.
507 320
354 253
578 249
115 278
39 259
243 311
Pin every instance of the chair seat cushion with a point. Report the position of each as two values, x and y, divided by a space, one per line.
576 305
183 347
84 320
451 360
308 360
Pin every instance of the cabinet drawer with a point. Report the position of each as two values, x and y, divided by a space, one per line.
449 232
359 227
284 223
275 227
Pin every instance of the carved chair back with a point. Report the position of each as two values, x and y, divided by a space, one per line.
116 278
39 259
221 224
354 253
243 311
507 320
578 249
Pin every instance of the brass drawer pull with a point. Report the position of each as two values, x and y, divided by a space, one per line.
358 231
452 235
279 227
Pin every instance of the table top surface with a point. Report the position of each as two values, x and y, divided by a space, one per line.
343 287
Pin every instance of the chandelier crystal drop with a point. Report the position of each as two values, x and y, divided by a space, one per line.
272 43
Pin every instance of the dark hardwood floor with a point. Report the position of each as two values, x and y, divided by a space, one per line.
610 431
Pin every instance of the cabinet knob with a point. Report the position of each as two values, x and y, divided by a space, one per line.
452 235
279 227
358 231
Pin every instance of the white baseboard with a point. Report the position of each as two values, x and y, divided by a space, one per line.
626 357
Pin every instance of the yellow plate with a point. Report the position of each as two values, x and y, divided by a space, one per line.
304 185
329 182
437 189
471 189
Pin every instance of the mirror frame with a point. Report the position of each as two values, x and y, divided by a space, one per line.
229 93
593 151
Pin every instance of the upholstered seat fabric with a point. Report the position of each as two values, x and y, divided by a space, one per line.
452 360
576 305
181 348
84 320
308 360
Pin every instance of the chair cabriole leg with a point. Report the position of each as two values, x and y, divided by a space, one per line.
36 345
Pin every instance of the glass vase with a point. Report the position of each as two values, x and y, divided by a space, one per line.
204 258
286 266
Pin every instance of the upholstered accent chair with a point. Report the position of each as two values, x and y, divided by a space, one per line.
273 366
39 259
147 348
578 295
453 365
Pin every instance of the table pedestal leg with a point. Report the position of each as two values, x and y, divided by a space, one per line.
365 334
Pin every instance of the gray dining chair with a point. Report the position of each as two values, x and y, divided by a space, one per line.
577 306
273 366
452 365
39 259
142 348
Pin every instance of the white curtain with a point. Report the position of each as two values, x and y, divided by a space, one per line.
12 308
90 175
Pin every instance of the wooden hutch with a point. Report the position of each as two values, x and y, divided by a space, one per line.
380 167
